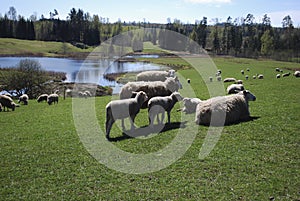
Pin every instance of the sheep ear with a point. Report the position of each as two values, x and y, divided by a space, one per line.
244 92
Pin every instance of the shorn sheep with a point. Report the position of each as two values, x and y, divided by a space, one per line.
155 75
235 88
224 110
161 104
297 73
189 105
121 109
24 98
42 98
152 89
52 98
7 102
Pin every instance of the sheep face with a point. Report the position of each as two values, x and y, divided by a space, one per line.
248 95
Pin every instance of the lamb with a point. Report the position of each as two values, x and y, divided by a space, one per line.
155 75
121 109
235 88
286 74
189 105
42 98
260 76
297 73
224 110
152 89
24 98
161 104
229 79
52 98
7 102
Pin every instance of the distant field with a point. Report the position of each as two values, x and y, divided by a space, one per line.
43 158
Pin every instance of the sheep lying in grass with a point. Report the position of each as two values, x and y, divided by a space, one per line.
297 73
161 104
52 98
24 98
42 98
260 76
152 89
121 109
239 82
7 102
229 79
189 105
278 76
286 74
224 110
155 75
235 88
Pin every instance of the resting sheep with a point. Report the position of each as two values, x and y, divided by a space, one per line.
224 110
286 74
161 104
121 109
24 98
152 89
7 102
52 98
155 75
239 82
229 79
278 76
42 97
260 76
189 105
235 88
297 73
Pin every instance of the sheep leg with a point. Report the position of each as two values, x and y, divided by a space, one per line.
169 117
132 122
162 117
123 124
109 123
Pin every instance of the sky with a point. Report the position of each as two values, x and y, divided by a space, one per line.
158 11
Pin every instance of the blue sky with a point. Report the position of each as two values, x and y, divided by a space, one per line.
160 10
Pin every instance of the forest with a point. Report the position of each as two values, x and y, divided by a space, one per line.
240 37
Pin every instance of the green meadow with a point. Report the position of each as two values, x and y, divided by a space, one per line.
43 158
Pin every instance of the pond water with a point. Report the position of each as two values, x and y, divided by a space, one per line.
86 71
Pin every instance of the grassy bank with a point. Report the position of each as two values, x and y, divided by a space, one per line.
42 156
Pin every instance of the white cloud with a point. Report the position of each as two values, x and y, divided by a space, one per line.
207 1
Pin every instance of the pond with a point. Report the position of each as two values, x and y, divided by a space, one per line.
86 71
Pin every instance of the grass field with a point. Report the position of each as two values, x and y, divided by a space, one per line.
42 156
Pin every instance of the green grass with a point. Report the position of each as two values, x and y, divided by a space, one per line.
10 46
43 158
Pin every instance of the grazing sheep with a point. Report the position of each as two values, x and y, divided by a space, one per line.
242 71
189 81
239 82
278 76
235 88
121 109
248 69
42 97
52 98
297 73
247 77
24 98
152 89
229 79
277 69
161 104
155 75
254 77
224 110
189 105
210 79
286 74
219 78
260 76
7 102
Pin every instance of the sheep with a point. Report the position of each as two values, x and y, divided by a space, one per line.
56 91
239 82
155 75
121 109
229 79
42 98
69 92
210 79
7 102
286 74
260 76
235 88
247 77
219 78
161 104
189 81
52 98
278 76
88 93
189 105
152 89
297 73
277 69
254 77
242 71
224 110
24 98
248 69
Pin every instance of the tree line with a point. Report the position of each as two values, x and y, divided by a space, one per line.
237 37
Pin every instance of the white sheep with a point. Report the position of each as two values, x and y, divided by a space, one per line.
239 82
278 76
155 75
52 98
277 69
224 110
297 73
121 109
189 81
229 79
248 69
286 74
260 76
152 89
189 105
235 88
247 77
254 77
161 104
42 97
242 71
24 98
7 102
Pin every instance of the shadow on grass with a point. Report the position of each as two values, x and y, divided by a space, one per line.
234 123
144 131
